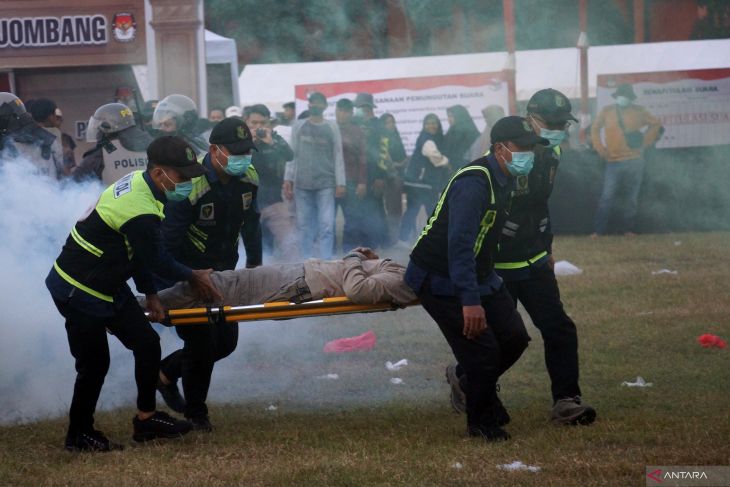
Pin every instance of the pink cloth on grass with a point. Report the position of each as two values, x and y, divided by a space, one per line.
363 342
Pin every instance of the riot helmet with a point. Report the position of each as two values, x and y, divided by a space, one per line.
13 115
109 119
175 114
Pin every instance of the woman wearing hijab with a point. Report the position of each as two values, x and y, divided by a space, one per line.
461 135
426 173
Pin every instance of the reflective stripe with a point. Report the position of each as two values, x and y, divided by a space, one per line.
557 150
512 225
198 244
519 265
77 284
198 232
85 244
508 232
486 223
443 198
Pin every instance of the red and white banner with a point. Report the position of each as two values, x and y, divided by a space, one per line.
409 100
693 106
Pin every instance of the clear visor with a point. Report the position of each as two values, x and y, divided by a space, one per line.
93 130
163 117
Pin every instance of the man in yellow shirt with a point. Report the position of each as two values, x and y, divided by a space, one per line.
627 130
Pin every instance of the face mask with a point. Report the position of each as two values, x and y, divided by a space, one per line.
359 112
238 165
181 191
316 111
623 101
521 164
554 136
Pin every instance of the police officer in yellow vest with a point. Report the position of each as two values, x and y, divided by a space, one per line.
121 146
203 231
452 272
119 238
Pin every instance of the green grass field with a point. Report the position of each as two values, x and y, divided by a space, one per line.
363 430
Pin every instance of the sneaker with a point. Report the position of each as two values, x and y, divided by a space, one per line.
159 425
458 397
491 434
570 410
201 423
91 441
172 397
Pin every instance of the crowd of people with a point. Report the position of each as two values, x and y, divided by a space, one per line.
180 195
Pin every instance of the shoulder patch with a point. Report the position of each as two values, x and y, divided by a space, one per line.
123 186
207 211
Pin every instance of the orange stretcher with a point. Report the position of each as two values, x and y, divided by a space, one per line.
280 310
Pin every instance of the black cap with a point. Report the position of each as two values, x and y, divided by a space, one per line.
515 129
551 105
173 151
233 134
365 99
626 90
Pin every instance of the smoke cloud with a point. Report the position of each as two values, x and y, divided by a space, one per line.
274 361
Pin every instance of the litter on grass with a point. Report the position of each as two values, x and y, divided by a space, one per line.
639 382
363 342
565 268
328 377
518 465
396 380
711 341
664 271
457 466
272 408
396 366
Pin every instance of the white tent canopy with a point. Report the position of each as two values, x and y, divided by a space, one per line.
218 50
273 84
222 50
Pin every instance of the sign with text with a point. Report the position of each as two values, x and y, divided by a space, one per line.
71 33
409 100
693 106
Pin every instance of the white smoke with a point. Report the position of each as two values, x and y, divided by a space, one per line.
272 361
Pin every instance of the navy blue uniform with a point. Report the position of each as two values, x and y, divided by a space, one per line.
522 262
203 232
452 265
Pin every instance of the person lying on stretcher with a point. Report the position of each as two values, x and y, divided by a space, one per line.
361 276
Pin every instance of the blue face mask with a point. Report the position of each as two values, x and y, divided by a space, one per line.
521 164
181 191
237 164
554 136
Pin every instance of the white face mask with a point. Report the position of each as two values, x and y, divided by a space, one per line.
623 101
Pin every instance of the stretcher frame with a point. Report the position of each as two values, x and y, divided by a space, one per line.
278 310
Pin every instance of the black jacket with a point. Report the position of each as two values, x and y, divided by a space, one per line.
203 230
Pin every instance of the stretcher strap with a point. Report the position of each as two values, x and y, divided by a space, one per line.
280 310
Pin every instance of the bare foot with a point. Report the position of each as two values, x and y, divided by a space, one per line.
594 236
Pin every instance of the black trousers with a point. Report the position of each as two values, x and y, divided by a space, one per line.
540 296
203 346
88 343
485 358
